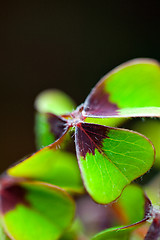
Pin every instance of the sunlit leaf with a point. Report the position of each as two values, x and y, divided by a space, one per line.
34 210
110 159
52 166
121 90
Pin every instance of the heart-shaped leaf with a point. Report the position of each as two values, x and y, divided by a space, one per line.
52 166
110 159
121 90
35 210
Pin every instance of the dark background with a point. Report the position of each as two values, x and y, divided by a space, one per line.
67 45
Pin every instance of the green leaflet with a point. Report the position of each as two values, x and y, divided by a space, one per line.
52 166
130 90
123 156
135 84
49 213
49 101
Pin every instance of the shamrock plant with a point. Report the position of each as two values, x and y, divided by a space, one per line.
110 158
36 194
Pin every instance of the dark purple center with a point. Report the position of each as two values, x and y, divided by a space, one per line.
90 137
11 196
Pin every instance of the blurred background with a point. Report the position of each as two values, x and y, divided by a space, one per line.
68 45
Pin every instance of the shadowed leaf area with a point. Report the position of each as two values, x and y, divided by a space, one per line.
11 196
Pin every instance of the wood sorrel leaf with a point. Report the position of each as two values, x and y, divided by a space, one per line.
35 210
55 102
119 93
52 166
110 159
